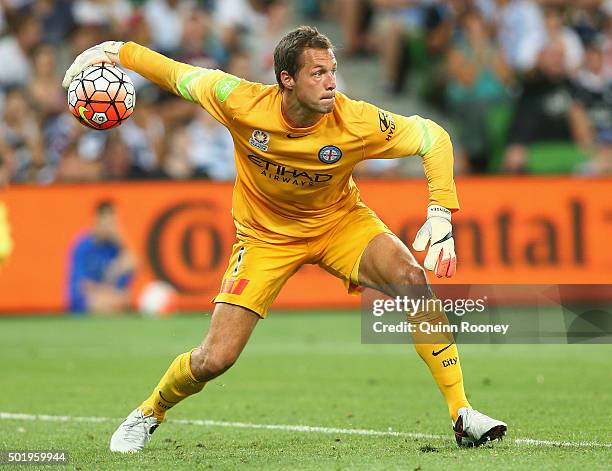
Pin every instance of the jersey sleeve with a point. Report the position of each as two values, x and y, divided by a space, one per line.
209 88
389 136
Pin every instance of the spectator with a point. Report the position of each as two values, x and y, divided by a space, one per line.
143 134
521 32
116 159
15 50
240 65
73 168
355 18
588 18
558 33
165 18
2 21
73 151
401 21
478 78
110 13
607 44
176 163
594 100
85 36
262 44
6 163
239 21
20 131
48 97
101 267
40 37
197 40
56 20
210 148
137 30
544 110
17 4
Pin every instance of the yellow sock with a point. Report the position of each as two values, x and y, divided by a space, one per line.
440 353
177 383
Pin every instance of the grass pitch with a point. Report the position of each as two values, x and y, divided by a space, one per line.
299 369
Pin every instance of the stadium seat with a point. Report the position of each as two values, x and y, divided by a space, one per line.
499 117
554 157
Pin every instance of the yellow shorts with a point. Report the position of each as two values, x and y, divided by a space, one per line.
258 270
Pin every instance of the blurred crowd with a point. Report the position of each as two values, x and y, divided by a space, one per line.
166 137
527 84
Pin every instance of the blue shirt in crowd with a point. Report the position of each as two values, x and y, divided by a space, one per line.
90 260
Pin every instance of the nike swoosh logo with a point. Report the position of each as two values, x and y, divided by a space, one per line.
446 237
82 111
169 402
434 353
294 136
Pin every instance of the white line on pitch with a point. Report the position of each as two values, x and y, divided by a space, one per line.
295 428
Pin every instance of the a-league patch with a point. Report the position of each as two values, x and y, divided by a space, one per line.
330 154
260 139
225 86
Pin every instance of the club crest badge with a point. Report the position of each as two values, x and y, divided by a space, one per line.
330 154
260 139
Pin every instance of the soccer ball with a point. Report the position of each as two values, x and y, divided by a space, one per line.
157 299
101 97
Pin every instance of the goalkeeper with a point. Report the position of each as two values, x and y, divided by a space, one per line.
295 202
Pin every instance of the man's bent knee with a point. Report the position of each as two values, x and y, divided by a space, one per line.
413 274
388 265
410 280
207 364
229 331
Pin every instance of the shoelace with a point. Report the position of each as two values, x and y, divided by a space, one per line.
134 436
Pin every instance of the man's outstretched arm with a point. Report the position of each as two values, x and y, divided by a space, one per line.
207 87
152 65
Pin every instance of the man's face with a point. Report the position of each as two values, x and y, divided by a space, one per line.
551 61
105 227
315 82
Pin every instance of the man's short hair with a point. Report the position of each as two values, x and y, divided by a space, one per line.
288 52
104 206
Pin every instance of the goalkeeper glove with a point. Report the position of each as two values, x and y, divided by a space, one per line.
438 232
107 51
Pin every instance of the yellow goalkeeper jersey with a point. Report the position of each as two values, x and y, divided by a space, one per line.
296 182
